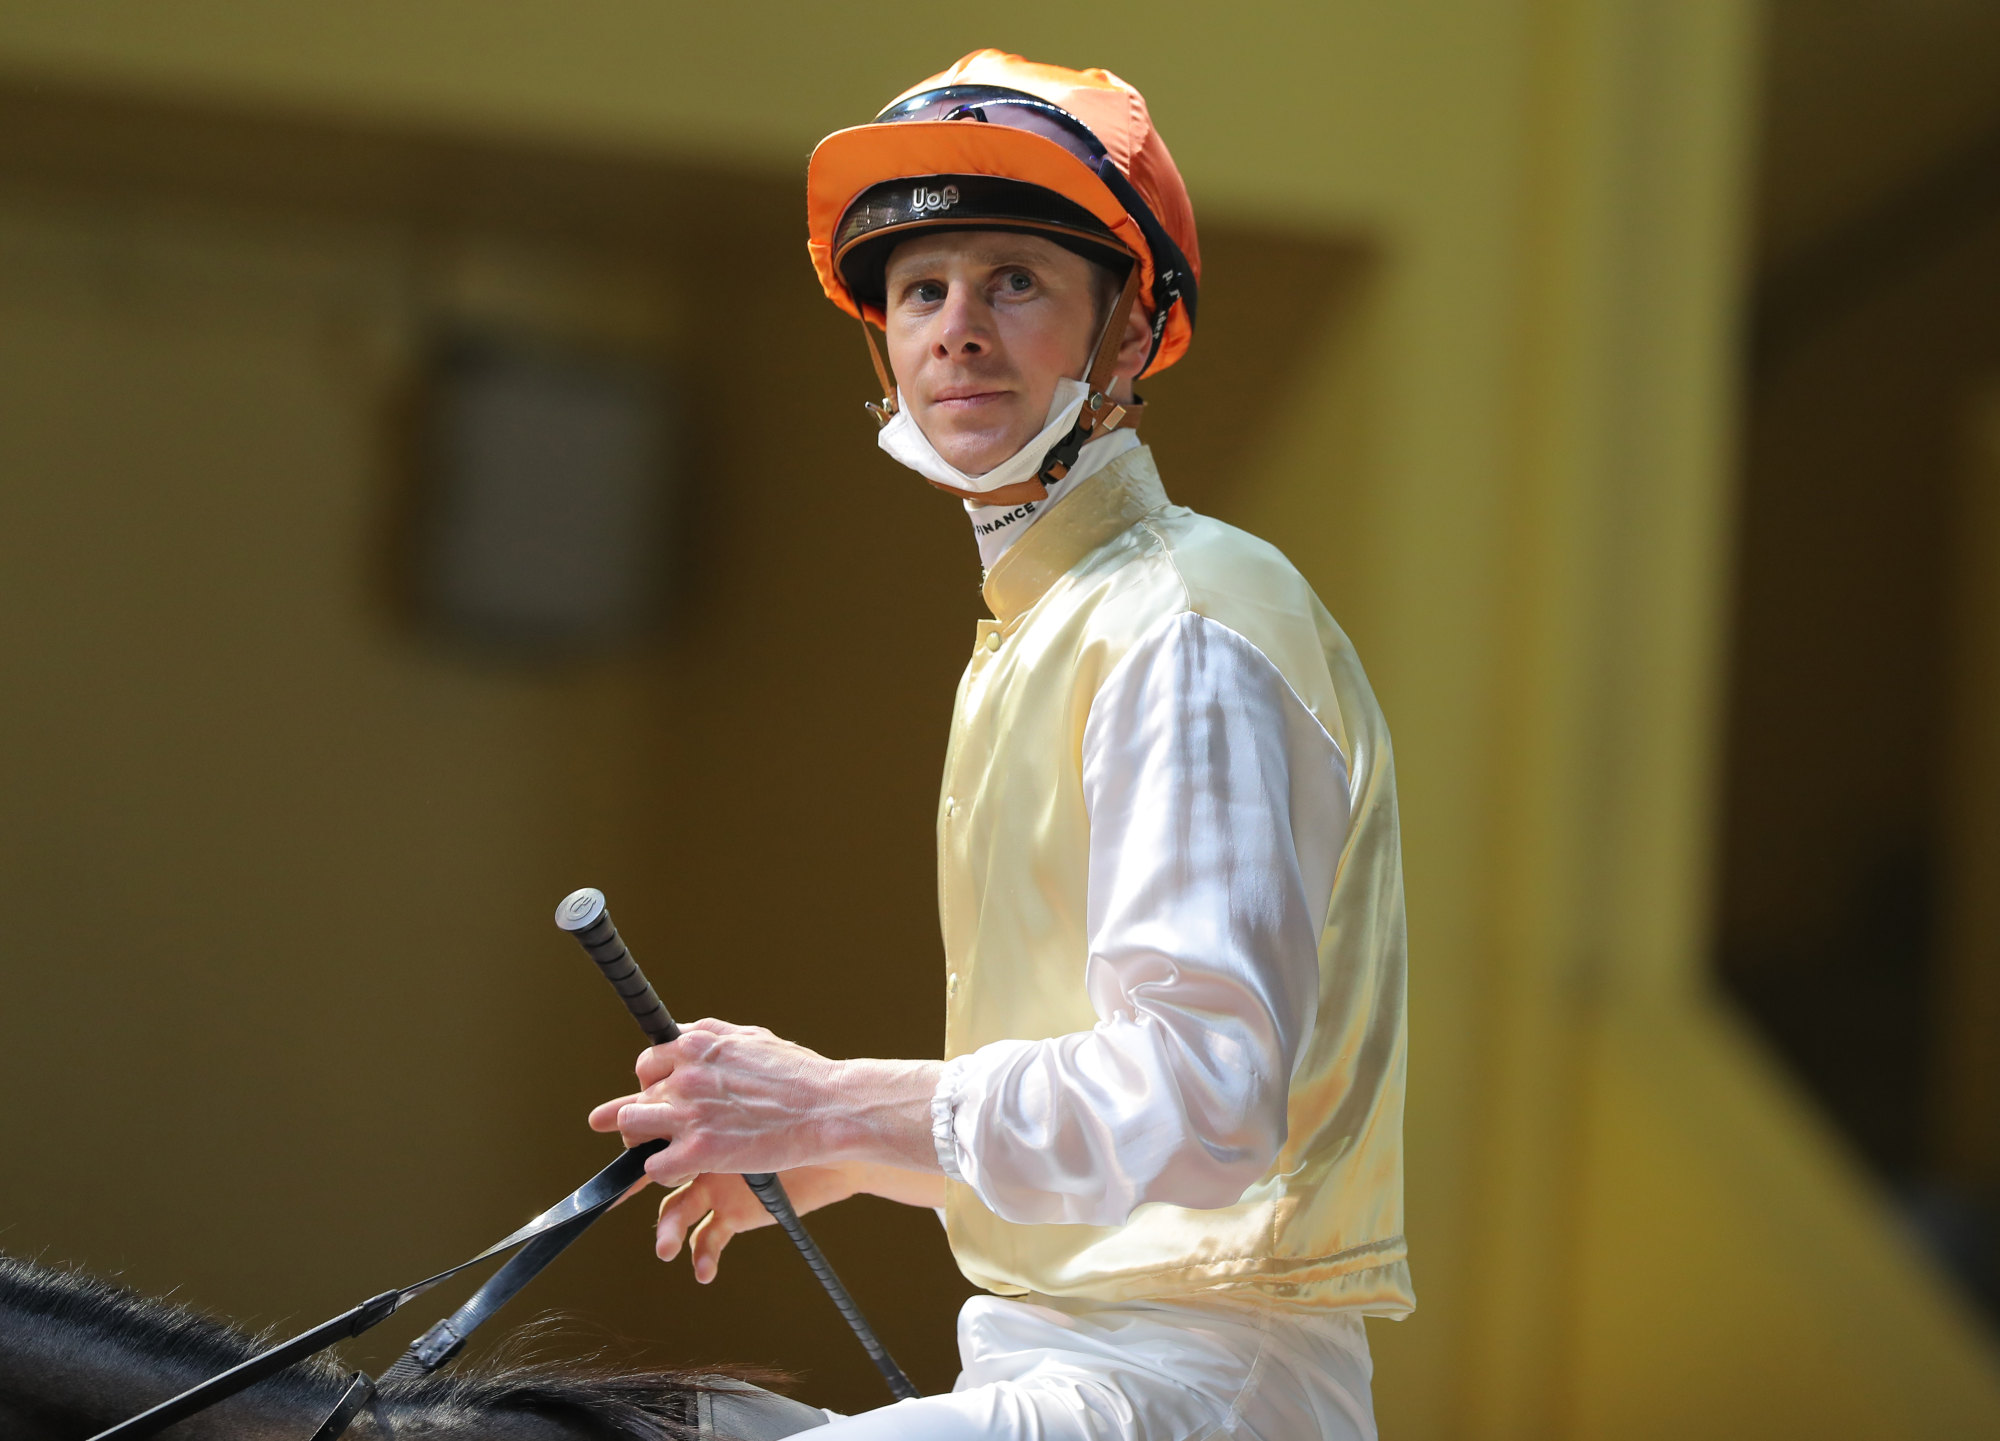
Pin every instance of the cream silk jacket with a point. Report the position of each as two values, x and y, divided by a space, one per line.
1149 993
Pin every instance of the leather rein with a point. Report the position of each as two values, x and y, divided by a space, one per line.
539 1242
582 914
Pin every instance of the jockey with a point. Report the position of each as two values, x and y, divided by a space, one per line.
1167 1136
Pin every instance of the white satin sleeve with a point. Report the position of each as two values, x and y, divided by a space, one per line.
1218 808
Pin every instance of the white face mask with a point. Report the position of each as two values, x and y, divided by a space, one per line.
904 439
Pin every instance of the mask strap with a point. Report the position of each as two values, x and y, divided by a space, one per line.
1100 414
886 411
1105 360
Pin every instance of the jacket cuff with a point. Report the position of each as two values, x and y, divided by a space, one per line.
944 1114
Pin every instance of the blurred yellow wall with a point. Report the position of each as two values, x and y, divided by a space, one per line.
305 861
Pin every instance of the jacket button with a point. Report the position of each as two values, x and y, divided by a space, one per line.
950 807
993 640
951 984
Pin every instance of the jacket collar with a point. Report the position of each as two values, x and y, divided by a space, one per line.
1099 508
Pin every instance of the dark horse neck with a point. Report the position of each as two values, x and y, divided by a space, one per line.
78 1356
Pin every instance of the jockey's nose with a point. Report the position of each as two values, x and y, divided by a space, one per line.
965 325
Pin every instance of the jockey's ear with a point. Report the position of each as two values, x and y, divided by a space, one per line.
1133 348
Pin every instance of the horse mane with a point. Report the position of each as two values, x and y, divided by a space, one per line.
72 1299
610 1401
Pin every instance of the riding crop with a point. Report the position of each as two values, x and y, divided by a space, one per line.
583 914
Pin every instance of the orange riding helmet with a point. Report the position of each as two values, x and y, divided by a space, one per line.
1001 143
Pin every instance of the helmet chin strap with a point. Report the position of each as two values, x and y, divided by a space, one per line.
1100 414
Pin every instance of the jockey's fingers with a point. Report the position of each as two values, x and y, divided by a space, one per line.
709 1239
678 1212
676 1165
605 1117
656 1063
639 1120
727 1196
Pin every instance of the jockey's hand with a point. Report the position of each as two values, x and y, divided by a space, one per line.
717 1207
737 1099
731 1099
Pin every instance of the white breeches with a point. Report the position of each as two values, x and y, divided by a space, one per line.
1080 1371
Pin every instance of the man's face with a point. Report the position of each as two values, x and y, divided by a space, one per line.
981 326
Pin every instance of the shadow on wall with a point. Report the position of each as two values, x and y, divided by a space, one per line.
303 843
1861 816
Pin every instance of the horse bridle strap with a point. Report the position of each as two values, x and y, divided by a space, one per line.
360 1391
448 1337
544 1238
